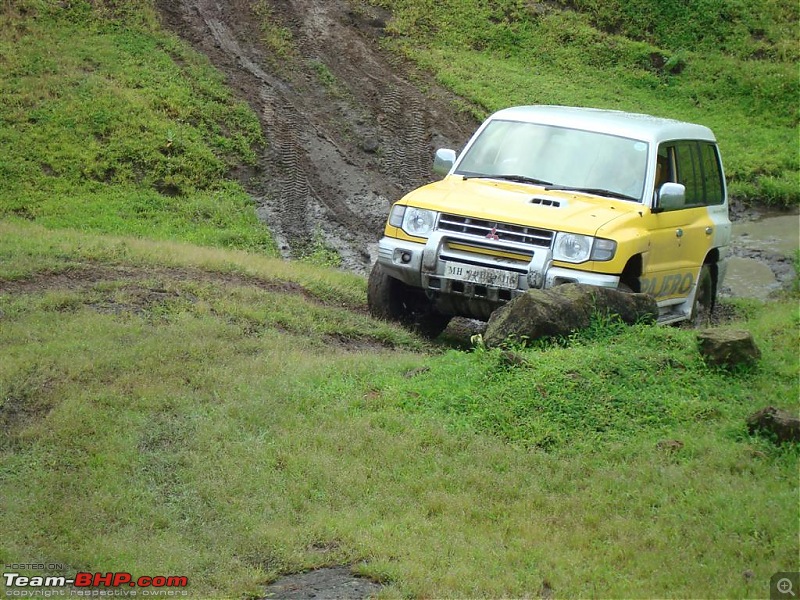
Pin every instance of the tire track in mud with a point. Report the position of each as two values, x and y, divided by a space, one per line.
410 157
292 185
347 132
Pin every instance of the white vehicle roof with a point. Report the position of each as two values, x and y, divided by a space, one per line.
615 122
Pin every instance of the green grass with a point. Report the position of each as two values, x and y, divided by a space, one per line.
173 401
110 125
167 408
735 73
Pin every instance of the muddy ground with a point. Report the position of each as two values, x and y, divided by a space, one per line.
348 128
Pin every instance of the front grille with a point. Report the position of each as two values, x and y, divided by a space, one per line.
500 232
485 255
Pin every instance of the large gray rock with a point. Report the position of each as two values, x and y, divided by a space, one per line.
783 426
728 347
564 309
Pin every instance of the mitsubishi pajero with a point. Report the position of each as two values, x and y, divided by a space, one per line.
546 195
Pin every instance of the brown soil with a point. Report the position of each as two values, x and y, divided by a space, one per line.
348 128
87 275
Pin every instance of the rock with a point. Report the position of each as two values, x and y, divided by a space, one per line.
546 591
782 425
728 347
369 144
564 309
327 583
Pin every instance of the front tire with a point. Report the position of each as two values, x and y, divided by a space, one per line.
704 298
392 300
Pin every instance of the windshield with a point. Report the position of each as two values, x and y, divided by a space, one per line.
558 156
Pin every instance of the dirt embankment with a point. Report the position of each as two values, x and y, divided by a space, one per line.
348 131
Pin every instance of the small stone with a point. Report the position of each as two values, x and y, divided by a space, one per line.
369 145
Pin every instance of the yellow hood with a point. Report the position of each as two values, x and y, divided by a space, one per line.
507 202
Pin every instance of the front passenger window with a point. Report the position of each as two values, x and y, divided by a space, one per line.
696 166
689 174
712 175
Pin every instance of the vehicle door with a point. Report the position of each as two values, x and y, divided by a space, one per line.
682 234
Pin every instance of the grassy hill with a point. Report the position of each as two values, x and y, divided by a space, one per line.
174 400
109 124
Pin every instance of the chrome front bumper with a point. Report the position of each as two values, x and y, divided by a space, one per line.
423 266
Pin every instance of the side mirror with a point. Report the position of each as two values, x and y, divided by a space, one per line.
443 161
671 196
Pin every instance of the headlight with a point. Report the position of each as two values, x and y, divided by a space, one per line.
418 222
576 248
571 247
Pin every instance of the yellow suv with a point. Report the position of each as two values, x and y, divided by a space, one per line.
545 195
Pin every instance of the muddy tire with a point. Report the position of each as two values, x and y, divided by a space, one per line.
704 298
392 300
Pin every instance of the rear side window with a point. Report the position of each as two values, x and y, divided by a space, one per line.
696 165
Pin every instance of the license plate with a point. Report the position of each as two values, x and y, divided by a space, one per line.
481 275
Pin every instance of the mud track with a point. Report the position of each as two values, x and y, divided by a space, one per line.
348 128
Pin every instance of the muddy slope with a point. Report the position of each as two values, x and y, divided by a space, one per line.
348 129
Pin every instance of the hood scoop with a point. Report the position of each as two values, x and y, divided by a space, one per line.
545 201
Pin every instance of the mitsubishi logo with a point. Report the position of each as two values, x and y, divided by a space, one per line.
492 235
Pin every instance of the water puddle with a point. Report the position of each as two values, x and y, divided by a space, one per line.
762 255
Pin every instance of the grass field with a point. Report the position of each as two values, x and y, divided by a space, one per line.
180 410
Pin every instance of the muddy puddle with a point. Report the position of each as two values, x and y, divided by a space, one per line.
762 255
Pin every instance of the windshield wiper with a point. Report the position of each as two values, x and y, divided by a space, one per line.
511 177
596 191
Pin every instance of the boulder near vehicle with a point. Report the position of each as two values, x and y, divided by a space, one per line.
546 195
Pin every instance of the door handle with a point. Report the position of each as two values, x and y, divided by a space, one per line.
679 232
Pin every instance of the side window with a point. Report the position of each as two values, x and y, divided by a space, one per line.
712 174
696 165
689 173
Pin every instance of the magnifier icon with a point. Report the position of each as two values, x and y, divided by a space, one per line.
784 586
